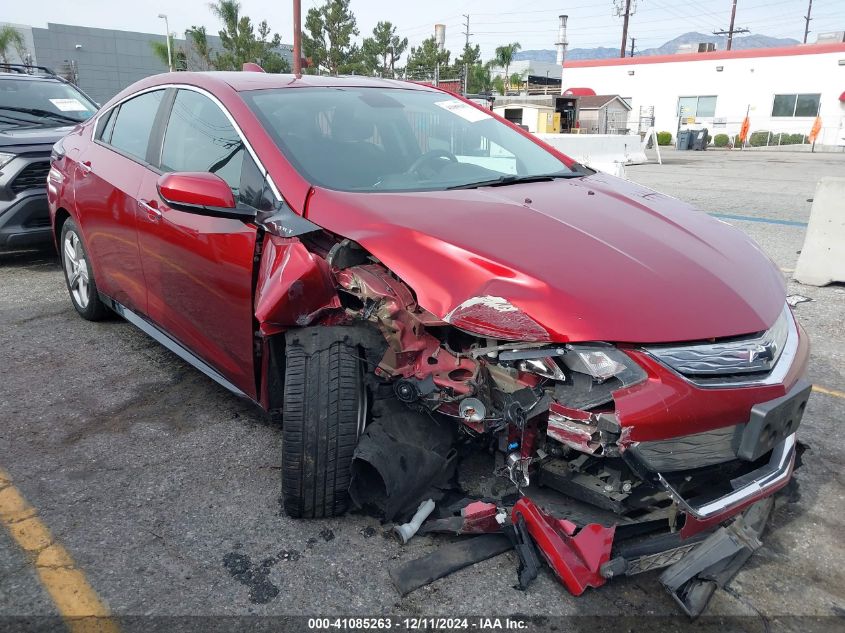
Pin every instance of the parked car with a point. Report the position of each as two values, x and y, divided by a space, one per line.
37 108
315 243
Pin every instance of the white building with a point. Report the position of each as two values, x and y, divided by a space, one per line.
781 89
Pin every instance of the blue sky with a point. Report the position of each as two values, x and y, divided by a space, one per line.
533 23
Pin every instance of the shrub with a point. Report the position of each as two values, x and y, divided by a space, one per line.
793 139
721 140
664 138
759 138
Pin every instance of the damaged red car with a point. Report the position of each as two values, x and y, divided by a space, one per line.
393 271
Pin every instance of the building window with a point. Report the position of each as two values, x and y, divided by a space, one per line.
704 106
796 105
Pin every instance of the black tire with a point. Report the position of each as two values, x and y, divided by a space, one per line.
88 303
323 413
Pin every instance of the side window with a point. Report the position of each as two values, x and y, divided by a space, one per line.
133 122
105 125
254 190
199 137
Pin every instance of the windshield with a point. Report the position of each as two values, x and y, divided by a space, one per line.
37 103
393 139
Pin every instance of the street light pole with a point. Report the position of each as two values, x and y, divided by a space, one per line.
167 37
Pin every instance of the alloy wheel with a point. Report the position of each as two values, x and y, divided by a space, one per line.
76 269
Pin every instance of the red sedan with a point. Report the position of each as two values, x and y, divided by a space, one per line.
323 245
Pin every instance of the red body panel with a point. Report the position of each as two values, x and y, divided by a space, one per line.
106 185
294 286
198 272
577 559
588 259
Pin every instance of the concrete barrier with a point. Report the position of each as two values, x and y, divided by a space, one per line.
599 151
822 259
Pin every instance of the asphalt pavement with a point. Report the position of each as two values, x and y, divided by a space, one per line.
164 488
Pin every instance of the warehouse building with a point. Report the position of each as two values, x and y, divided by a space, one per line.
101 61
782 90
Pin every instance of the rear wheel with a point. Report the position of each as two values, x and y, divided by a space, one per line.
323 414
79 275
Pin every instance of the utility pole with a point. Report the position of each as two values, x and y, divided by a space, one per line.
297 37
731 30
807 19
633 39
466 48
626 14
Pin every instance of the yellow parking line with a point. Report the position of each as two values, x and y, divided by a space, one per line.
829 392
76 600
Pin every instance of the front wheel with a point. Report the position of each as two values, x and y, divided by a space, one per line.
323 414
79 275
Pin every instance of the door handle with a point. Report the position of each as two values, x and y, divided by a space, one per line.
153 214
85 167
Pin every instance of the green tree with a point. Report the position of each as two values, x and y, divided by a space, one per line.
327 40
499 84
504 56
180 58
200 52
240 43
471 56
11 39
383 49
423 59
479 79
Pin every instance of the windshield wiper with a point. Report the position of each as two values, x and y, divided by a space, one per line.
41 113
504 181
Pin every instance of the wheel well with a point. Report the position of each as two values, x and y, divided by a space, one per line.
61 217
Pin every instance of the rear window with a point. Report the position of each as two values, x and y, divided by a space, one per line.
42 103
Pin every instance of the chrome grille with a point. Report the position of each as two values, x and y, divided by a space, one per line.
737 360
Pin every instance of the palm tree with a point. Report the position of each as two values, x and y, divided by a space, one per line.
504 57
10 37
198 39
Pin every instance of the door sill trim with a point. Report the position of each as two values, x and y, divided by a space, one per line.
155 333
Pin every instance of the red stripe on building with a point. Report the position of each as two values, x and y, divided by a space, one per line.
783 51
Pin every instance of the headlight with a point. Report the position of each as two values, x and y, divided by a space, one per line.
602 361
6 158
58 150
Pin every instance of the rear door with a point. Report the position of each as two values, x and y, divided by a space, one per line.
107 175
199 269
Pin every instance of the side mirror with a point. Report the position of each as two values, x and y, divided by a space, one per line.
202 193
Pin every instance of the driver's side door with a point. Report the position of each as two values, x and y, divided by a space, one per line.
198 269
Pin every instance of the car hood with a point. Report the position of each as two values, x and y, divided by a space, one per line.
594 258
32 135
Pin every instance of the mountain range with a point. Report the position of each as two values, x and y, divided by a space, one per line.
669 48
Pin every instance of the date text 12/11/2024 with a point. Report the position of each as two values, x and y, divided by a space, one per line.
417 623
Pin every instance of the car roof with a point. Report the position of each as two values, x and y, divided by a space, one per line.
27 77
246 80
